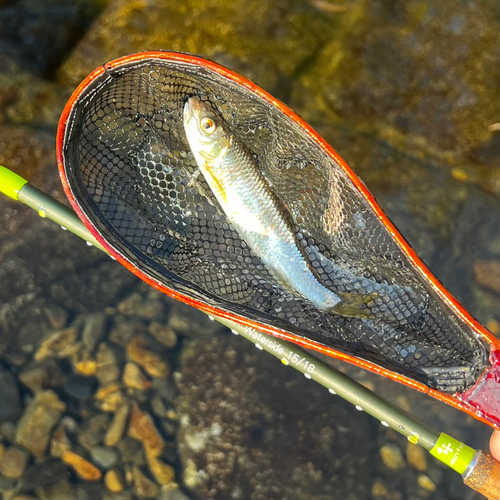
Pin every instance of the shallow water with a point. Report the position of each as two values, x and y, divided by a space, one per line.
407 93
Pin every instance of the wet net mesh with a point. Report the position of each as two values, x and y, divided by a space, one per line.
130 168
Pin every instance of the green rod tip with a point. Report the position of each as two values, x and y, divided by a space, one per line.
10 182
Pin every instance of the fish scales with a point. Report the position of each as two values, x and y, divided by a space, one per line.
249 203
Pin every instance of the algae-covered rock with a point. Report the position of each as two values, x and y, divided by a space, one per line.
266 41
37 421
252 428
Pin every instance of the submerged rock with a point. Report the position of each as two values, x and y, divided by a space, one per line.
247 422
43 375
94 430
152 363
107 370
142 428
134 378
104 457
13 462
143 486
116 430
93 330
37 421
82 467
10 402
58 344
114 481
392 457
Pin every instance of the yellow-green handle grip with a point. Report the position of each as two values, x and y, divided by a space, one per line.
10 183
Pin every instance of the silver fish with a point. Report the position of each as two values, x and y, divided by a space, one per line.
254 210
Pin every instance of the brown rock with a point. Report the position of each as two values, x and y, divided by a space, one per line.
416 457
94 430
134 378
163 334
86 367
13 462
82 467
110 398
59 442
426 483
151 362
117 427
58 344
142 428
40 416
392 457
162 472
114 480
487 274
143 486
42 375
107 369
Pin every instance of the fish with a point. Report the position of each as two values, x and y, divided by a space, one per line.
257 214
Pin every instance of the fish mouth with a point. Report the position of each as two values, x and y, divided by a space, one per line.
192 108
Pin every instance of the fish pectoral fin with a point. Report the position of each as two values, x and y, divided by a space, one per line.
350 305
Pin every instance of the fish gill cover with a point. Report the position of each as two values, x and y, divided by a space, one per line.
129 166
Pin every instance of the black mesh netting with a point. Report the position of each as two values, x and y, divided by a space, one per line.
129 166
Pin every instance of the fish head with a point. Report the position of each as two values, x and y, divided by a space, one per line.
205 131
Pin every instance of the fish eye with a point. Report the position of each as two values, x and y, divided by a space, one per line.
208 125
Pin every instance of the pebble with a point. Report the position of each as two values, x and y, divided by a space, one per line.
107 369
134 378
13 462
7 486
163 334
124 330
79 387
63 490
37 421
59 442
117 428
93 330
416 457
130 305
82 467
114 481
90 491
143 486
94 431
123 495
104 457
86 367
172 492
379 489
487 274
158 406
151 310
44 475
57 315
8 430
10 401
110 398
59 344
392 457
426 483
132 453
142 428
191 322
162 472
151 362
42 375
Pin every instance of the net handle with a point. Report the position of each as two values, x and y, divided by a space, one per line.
478 468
